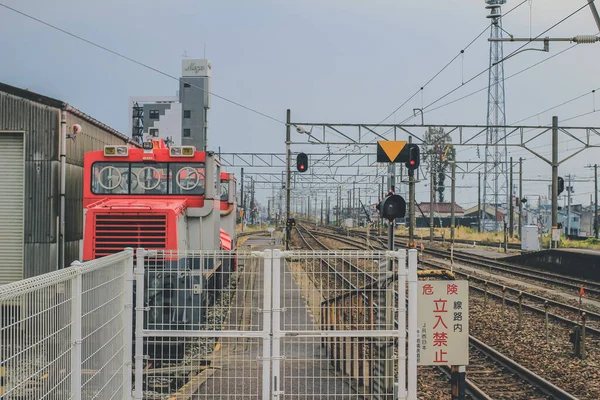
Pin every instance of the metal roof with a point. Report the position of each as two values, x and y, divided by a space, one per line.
51 102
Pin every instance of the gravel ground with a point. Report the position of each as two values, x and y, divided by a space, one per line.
432 384
554 361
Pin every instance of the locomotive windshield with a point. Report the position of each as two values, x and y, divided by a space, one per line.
224 190
119 178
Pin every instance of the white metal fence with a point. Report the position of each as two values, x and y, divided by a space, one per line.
274 325
67 334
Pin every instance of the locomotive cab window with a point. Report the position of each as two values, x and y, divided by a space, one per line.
187 178
224 190
110 178
119 178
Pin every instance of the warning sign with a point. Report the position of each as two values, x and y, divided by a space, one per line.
443 323
389 151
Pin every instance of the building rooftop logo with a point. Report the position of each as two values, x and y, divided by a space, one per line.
196 68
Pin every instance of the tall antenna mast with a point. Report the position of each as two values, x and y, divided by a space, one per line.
495 178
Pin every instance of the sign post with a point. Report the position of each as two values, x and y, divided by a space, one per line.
443 328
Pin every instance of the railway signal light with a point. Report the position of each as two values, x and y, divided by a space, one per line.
391 207
414 157
302 162
561 185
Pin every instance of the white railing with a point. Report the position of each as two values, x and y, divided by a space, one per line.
67 334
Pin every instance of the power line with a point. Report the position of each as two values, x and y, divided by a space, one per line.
461 52
560 105
505 58
138 62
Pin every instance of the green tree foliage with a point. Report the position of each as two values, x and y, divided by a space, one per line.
437 155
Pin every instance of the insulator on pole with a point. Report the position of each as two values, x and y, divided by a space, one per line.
585 39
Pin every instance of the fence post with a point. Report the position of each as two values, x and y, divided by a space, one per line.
128 322
139 323
76 289
276 310
267 328
402 272
412 324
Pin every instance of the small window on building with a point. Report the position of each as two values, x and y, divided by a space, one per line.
187 113
186 85
153 114
153 132
187 133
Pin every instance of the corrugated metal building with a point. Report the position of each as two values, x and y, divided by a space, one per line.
30 144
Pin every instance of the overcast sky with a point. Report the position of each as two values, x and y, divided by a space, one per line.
326 60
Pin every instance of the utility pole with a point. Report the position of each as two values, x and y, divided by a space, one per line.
453 201
554 176
308 208
511 217
288 140
520 198
431 197
479 201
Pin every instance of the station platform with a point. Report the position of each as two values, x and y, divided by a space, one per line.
528 286
236 370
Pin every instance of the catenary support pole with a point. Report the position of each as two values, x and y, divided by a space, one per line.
520 198
242 200
511 216
596 200
479 201
554 176
453 202
288 175
569 190
431 198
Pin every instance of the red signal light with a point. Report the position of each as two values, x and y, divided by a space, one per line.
301 166
412 162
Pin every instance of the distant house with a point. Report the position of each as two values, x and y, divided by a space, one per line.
441 210
489 212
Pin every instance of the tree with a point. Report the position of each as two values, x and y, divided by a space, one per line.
438 154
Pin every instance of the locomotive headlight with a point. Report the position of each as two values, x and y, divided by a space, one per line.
118 151
182 151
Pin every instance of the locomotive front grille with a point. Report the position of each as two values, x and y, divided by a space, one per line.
115 232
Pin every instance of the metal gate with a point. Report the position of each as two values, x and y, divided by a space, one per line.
271 325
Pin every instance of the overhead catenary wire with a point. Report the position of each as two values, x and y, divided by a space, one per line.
459 54
505 58
123 56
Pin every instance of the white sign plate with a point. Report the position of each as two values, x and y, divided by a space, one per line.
555 234
270 229
443 323
196 68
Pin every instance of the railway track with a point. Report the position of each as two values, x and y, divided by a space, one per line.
351 275
495 376
567 313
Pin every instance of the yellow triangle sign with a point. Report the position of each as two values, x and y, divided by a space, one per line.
391 148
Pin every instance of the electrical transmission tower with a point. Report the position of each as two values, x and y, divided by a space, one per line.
495 187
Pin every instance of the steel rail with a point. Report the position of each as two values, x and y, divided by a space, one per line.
519 370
